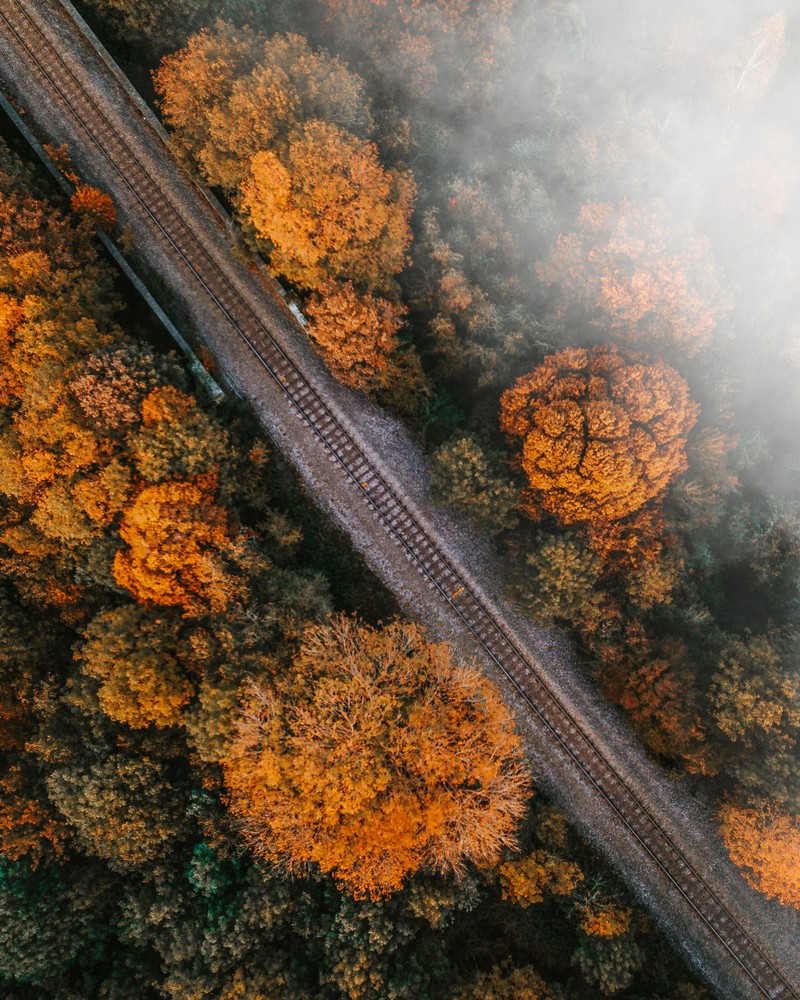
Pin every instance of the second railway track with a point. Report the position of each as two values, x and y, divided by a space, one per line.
369 486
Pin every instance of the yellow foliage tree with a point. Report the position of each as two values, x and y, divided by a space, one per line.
179 548
230 93
134 656
765 842
376 756
527 880
329 210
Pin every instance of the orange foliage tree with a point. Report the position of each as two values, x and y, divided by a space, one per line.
230 93
179 548
748 71
29 825
527 880
329 210
765 842
604 919
357 333
94 205
374 757
638 276
602 433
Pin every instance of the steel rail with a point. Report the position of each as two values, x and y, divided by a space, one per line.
399 521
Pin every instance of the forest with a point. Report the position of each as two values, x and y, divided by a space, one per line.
561 250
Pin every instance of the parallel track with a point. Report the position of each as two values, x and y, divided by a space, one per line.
393 515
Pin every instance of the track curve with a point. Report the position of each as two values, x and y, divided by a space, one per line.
368 485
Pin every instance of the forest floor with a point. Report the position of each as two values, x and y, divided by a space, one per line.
401 461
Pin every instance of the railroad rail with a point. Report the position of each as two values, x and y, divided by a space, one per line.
367 483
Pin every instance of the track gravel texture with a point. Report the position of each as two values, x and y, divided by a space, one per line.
368 474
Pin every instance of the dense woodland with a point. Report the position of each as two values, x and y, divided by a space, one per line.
563 254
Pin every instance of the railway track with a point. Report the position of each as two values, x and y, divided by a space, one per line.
371 488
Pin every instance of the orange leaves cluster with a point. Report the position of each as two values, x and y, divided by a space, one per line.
357 333
377 757
94 205
29 825
230 93
638 276
765 842
601 433
282 129
329 209
527 880
179 547
607 921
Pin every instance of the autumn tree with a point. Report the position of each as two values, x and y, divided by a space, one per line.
376 756
95 206
601 433
558 581
424 46
176 439
357 335
761 184
764 841
230 94
111 384
505 983
754 692
462 473
529 879
329 210
754 702
179 548
749 69
137 659
637 277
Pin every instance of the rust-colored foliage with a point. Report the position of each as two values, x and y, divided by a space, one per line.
94 205
656 697
601 433
357 333
375 757
329 210
638 276
111 386
765 842
179 545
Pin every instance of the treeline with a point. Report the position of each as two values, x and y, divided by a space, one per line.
564 252
214 780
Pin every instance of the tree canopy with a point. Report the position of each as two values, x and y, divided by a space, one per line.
375 757
601 432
